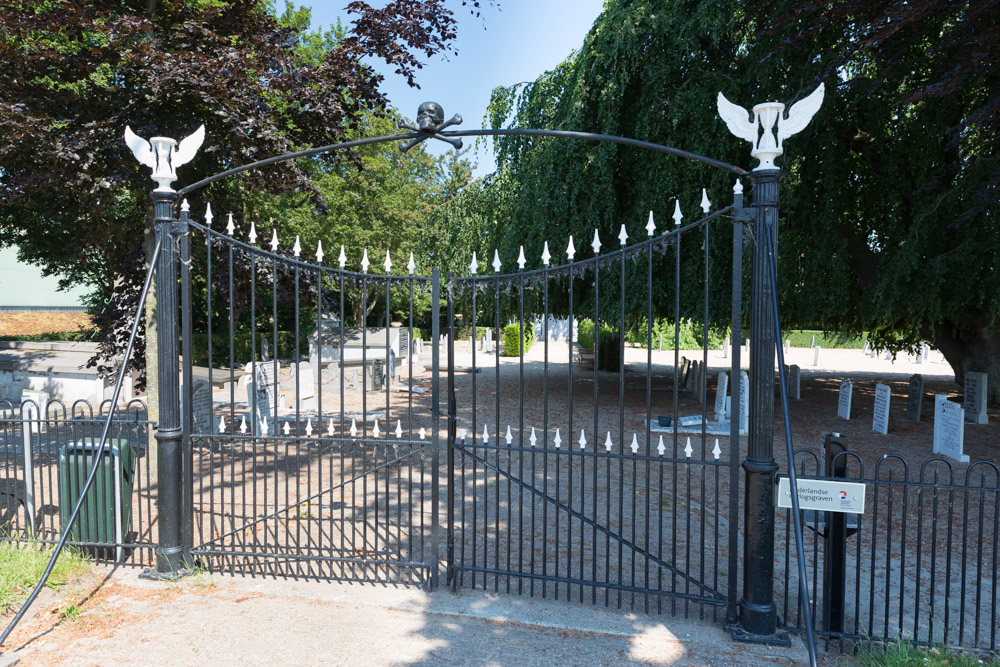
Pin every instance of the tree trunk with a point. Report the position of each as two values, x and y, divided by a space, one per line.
972 350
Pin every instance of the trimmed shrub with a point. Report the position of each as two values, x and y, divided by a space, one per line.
512 339
585 334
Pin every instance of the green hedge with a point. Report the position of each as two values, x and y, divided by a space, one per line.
512 339
585 334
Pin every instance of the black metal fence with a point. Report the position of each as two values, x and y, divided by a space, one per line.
45 455
921 563
563 481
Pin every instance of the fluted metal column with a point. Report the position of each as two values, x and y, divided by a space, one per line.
758 613
171 558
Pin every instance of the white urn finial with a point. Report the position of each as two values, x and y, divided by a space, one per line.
760 129
163 155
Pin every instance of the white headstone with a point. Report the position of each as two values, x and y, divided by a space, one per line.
201 408
306 380
261 404
865 348
844 400
721 389
949 428
812 342
788 346
725 348
795 382
974 401
744 402
816 353
880 416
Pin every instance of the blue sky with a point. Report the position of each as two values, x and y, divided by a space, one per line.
514 43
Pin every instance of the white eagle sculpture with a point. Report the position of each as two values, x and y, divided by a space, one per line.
766 147
163 155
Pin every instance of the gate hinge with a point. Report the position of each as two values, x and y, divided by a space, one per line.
744 214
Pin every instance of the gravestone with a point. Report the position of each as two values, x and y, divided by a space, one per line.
788 346
725 348
816 354
949 428
260 400
689 377
812 342
920 357
880 416
744 415
915 397
201 407
721 389
864 350
844 400
378 375
974 401
873 354
685 369
795 382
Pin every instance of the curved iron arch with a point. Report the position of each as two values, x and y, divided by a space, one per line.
563 134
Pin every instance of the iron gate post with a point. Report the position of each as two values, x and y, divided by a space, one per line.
172 560
758 612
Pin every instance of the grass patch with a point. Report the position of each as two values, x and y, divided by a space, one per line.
22 565
902 653
827 340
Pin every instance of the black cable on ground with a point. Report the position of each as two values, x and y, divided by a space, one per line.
799 550
97 459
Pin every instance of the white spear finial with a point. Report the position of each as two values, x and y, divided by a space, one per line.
635 444
399 429
461 435
650 226
208 215
557 441
546 256
263 426
297 248
388 262
423 433
688 451
496 261
354 429
622 235
287 429
329 427
717 451
364 262
309 426
738 188
230 227
222 424
243 425
583 439
164 155
474 264
376 433
486 435
274 239
570 249
343 257
185 206
532 439
705 204
661 448
253 233
411 266
607 442
521 260
319 252
766 144
678 216
596 243
508 437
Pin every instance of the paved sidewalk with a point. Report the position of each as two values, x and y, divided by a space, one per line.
223 620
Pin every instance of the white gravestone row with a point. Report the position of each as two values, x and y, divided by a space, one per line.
844 399
880 416
556 328
914 397
949 428
974 401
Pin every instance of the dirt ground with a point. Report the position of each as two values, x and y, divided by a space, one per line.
32 322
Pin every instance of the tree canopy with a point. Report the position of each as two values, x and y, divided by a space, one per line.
888 204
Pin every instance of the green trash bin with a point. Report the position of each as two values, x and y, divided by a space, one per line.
106 514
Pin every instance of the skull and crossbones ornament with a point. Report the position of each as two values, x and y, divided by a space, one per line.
430 123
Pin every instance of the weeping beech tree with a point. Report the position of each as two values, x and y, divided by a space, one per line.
889 215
